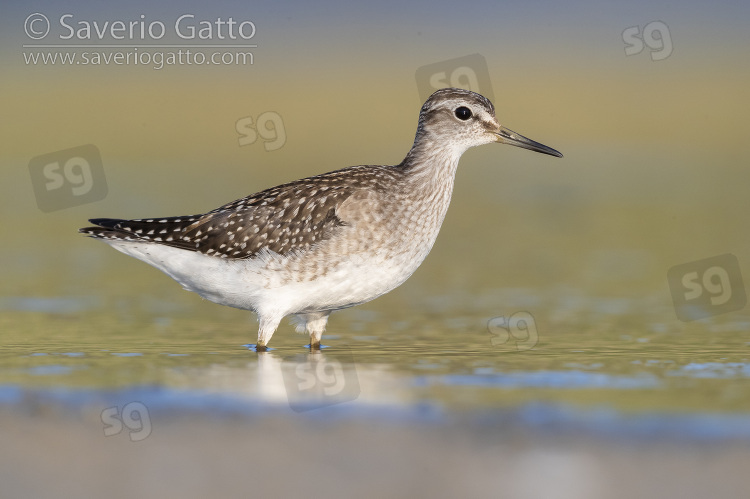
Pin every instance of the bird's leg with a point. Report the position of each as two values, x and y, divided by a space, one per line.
315 325
315 341
267 327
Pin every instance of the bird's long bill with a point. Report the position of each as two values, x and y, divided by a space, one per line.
508 136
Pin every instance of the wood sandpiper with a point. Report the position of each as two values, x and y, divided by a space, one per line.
323 243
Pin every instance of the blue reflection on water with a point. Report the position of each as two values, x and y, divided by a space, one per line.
544 379
538 418
718 370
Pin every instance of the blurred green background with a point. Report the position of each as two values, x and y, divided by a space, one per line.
654 175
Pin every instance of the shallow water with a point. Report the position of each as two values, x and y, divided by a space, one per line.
596 369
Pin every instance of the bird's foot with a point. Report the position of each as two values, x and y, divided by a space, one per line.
314 345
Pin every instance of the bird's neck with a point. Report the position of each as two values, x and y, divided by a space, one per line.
431 165
430 170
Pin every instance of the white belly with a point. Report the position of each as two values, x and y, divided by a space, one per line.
281 285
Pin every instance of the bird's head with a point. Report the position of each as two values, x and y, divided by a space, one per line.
467 119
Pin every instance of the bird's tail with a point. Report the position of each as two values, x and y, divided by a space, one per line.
168 230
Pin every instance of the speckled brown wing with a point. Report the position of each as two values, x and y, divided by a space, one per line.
292 216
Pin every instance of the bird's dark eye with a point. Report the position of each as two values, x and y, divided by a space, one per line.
463 113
